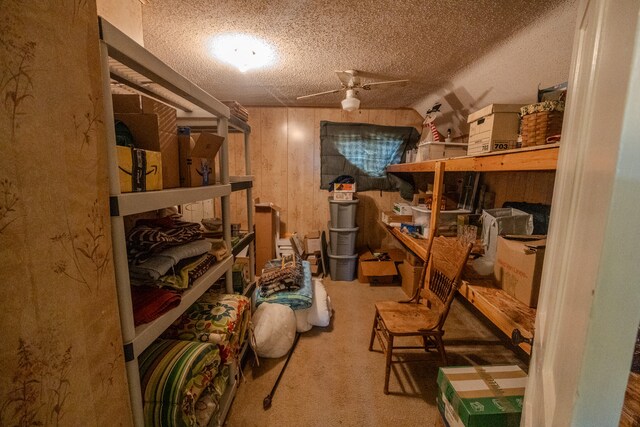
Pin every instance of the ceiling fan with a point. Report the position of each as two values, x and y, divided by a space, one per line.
351 82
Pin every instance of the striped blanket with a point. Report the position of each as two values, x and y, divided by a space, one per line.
173 376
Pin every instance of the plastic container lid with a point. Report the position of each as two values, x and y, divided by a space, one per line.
343 202
342 230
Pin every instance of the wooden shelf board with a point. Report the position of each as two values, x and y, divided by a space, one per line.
539 158
417 246
147 333
500 308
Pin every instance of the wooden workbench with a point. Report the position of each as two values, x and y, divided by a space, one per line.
500 308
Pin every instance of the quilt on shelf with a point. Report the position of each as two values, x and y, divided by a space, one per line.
221 319
177 378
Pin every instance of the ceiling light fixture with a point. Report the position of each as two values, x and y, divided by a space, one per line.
243 51
351 102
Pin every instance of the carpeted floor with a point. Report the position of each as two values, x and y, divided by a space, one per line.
334 380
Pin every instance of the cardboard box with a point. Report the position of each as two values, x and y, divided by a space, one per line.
167 141
312 242
267 227
484 144
440 150
493 128
197 154
315 269
139 170
413 259
343 196
479 396
372 270
393 219
492 109
344 188
411 276
518 268
402 208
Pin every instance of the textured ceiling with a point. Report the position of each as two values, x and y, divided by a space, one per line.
425 41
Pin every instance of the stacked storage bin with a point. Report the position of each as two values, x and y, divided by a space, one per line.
342 239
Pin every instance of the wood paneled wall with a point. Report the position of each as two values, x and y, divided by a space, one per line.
530 187
285 158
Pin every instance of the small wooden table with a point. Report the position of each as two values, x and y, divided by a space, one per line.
500 308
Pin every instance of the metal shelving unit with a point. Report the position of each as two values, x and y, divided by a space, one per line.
199 121
127 64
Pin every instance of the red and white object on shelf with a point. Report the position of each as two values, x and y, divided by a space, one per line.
343 191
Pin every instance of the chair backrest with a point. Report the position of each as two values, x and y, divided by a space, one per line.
444 270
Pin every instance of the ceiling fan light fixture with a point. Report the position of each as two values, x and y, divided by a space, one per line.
351 102
243 51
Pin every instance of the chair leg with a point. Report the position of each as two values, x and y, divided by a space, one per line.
443 354
425 341
373 330
388 364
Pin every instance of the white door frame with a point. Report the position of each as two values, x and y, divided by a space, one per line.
589 306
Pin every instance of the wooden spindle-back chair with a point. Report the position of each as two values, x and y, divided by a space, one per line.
425 313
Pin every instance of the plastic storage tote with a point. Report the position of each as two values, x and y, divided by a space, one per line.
342 267
447 220
502 221
343 213
342 240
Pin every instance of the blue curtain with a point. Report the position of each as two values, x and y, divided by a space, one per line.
364 151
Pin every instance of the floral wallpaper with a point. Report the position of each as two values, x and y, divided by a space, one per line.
61 347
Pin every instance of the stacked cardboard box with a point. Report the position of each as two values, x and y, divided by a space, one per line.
518 268
380 267
481 396
197 154
139 170
493 128
411 272
153 126
343 191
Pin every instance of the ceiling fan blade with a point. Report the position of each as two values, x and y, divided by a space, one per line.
372 76
348 76
320 93
368 86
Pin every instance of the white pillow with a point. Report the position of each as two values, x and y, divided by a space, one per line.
320 311
274 327
302 320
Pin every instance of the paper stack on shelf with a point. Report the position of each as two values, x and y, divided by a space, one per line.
237 110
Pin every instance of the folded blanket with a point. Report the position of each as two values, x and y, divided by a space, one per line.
173 376
151 236
216 318
187 271
281 275
151 303
298 299
159 264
